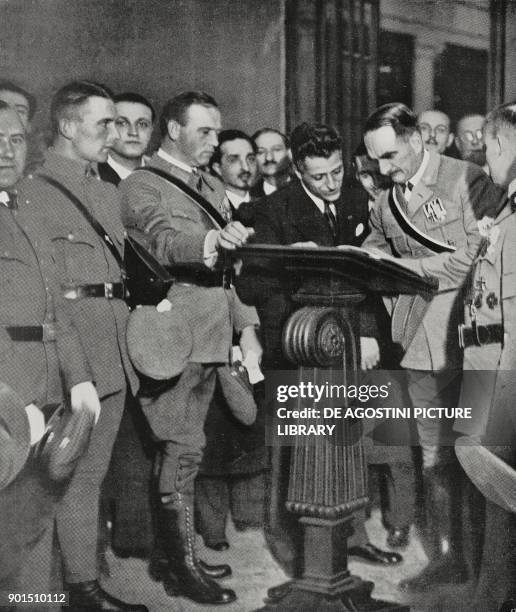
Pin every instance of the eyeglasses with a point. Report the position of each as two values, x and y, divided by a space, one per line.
439 130
472 136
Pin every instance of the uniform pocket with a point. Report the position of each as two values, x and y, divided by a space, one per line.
72 252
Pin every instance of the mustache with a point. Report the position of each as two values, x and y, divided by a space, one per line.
244 176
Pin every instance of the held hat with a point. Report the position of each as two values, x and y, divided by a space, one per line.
494 478
238 392
159 343
66 438
14 425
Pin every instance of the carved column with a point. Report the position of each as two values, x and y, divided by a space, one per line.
327 480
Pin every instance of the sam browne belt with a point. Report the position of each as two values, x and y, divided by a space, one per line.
478 335
101 290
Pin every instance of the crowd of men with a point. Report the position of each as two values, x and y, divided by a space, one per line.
442 205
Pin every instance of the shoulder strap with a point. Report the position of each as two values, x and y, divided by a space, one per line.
410 229
187 190
95 224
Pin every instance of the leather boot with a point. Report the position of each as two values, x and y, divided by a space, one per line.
185 576
443 504
158 568
90 597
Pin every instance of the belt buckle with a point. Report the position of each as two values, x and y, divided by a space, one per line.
476 333
71 293
49 332
227 277
461 328
108 290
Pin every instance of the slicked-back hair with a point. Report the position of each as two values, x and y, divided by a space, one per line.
14 88
268 130
396 115
135 98
314 141
70 97
177 107
228 136
501 117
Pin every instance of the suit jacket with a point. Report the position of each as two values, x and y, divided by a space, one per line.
176 229
289 215
108 174
466 194
82 257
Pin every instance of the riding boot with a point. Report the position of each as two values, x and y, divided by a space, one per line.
185 576
443 504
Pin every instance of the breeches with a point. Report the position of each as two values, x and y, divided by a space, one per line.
429 389
176 416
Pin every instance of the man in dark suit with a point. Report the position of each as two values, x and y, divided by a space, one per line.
429 220
193 240
134 121
88 271
234 162
310 211
131 530
274 165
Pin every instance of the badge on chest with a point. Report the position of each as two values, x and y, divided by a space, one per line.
435 211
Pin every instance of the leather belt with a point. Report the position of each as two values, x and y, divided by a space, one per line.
478 335
102 290
32 333
200 278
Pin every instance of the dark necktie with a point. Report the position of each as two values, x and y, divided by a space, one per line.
195 180
330 218
9 199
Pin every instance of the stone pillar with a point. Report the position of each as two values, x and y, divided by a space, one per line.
423 77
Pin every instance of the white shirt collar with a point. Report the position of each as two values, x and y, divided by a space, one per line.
421 170
236 199
511 188
173 160
122 171
268 188
319 202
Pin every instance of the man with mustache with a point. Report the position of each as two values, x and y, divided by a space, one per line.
434 126
234 162
134 121
274 164
429 219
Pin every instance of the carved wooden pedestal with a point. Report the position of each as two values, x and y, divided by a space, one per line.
327 480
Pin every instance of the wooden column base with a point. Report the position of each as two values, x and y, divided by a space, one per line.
355 598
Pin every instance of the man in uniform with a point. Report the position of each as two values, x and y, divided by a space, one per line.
88 270
185 235
42 356
489 340
429 219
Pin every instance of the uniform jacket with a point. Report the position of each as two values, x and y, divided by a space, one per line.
491 300
14 435
176 229
466 194
37 371
81 257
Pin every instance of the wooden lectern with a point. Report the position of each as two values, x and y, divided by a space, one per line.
327 481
